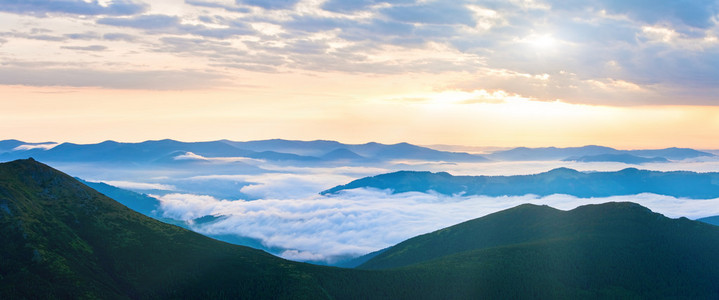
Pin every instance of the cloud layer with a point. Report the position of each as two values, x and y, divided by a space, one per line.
597 52
361 221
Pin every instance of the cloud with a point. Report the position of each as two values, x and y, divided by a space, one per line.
271 4
173 24
119 37
437 12
189 156
606 52
94 48
186 207
217 5
76 7
30 147
700 13
349 6
359 221
290 186
137 185
82 36
148 22
36 75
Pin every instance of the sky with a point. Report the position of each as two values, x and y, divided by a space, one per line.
627 74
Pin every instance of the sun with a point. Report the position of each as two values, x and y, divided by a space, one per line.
541 41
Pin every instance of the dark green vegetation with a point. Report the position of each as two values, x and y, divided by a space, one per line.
558 181
609 250
62 239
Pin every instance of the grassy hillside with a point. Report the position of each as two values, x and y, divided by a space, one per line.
62 239
607 250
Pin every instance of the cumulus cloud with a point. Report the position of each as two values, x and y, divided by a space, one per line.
156 23
75 7
595 52
359 221
290 186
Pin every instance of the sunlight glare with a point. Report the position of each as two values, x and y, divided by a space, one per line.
541 42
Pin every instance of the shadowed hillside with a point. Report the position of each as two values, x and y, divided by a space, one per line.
62 239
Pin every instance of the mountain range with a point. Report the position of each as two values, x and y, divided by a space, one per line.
165 151
628 181
319 151
594 152
622 158
62 239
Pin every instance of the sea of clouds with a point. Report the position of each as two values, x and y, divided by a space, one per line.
282 207
355 222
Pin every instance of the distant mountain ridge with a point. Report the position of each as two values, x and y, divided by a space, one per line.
629 181
554 153
622 158
317 151
273 150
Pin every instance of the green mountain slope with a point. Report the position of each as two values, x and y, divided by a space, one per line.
62 239
606 250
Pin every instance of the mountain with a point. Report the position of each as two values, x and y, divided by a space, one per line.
141 203
164 151
553 153
714 220
342 154
550 153
629 181
123 153
622 158
305 148
611 250
672 153
62 239
409 151
9 145
371 150
13 145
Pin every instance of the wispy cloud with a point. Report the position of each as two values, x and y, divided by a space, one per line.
137 185
73 7
30 147
95 48
38 75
